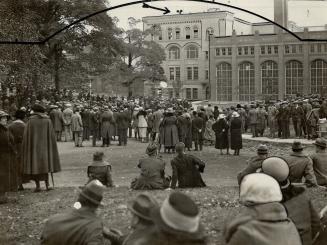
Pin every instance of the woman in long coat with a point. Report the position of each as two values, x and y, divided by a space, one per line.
142 124
209 134
169 131
8 180
236 133
221 130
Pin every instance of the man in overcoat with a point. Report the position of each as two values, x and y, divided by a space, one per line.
40 152
123 120
198 127
94 124
186 169
106 120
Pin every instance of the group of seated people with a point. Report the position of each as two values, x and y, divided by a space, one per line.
275 210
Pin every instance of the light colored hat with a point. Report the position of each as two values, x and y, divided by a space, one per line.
68 105
259 188
170 110
221 116
3 114
276 167
321 142
235 114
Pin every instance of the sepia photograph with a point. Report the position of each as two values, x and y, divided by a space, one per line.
163 122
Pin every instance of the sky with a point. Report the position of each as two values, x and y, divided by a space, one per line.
304 13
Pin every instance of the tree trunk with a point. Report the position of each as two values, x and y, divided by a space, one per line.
56 71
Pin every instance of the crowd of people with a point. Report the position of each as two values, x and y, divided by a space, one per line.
277 208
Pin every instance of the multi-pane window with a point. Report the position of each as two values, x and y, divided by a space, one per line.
178 33
252 49
293 48
246 50
275 49
269 49
312 48
195 32
192 73
223 51
269 79
224 81
174 53
325 45
207 54
246 81
170 34
206 75
195 93
300 48
229 51
187 33
294 77
263 49
319 47
192 52
188 93
174 73
318 72
287 49
217 51
239 51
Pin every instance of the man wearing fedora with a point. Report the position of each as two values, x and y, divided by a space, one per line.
177 222
319 159
300 165
186 169
254 163
100 170
141 223
80 225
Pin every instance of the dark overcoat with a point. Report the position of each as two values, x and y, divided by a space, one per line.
123 120
236 133
185 131
106 120
40 152
186 171
198 127
221 130
17 129
8 180
169 136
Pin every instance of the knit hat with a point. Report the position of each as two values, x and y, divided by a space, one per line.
259 188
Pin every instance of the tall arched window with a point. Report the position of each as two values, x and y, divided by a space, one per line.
177 33
187 33
294 77
192 52
269 79
318 72
224 82
209 32
174 53
246 81
195 32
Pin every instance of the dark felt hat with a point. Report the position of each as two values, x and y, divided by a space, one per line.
178 214
38 108
321 142
297 145
93 192
142 205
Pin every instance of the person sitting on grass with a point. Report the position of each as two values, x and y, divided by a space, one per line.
264 220
186 169
299 207
80 225
100 170
141 222
254 163
321 237
152 174
319 159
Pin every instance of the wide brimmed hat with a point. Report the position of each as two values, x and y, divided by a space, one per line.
38 108
142 206
235 114
297 145
151 149
98 159
262 149
277 168
259 188
170 110
221 116
178 213
3 114
321 142
93 192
